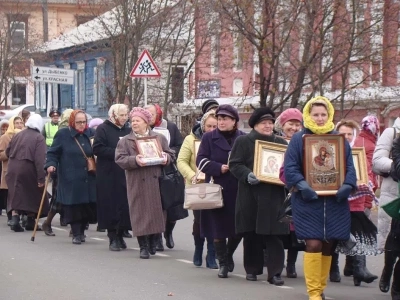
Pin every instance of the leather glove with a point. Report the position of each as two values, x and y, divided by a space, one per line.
344 192
252 179
367 212
307 192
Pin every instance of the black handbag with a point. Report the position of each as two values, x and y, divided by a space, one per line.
285 212
172 187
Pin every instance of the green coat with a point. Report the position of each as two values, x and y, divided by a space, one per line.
257 206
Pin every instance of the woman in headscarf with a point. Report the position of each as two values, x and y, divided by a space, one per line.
24 114
187 166
15 126
319 220
76 189
145 208
25 175
64 119
3 193
258 203
94 123
219 224
112 201
360 203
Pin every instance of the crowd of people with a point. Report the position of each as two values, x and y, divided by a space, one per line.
101 176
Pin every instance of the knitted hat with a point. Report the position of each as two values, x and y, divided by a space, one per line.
261 114
227 110
95 122
290 114
208 105
141 113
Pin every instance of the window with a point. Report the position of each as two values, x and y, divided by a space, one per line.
356 9
237 87
177 85
40 95
238 51
80 86
18 94
18 35
99 84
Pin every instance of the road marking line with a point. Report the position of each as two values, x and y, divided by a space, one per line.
286 287
162 255
239 275
97 239
137 249
56 228
184 261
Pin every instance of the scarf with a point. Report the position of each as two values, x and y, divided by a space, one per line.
310 124
159 114
71 121
138 135
11 130
370 124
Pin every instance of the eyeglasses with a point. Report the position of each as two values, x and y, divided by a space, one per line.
80 122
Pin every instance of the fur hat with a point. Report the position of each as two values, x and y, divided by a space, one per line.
261 114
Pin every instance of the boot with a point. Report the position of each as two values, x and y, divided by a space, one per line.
83 228
15 224
233 243
312 274
359 272
396 282
114 244
159 245
144 248
326 266
126 234
169 241
30 224
334 273
395 292
152 240
47 229
348 267
62 222
9 217
210 257
369 274
221 250
384 283
291 263
121 242
198 251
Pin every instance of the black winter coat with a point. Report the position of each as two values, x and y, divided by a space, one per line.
112 199
257 206
75 185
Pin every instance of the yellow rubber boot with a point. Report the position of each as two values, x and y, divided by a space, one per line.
325 267
312 274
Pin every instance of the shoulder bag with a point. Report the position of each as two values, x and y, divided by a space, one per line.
91 164
172 187
200 196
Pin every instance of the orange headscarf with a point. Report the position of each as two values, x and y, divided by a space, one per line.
71 121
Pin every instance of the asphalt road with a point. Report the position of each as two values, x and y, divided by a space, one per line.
53 268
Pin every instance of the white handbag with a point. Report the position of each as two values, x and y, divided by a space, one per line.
200 196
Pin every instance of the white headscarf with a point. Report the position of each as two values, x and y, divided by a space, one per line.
35 122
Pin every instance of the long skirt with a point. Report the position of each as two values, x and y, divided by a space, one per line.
84 213
365 233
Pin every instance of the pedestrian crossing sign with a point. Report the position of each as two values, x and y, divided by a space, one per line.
145 67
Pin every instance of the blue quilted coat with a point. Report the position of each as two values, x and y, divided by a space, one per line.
324 218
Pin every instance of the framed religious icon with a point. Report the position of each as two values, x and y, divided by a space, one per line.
360 164
196 145
268 159
150 148
324 162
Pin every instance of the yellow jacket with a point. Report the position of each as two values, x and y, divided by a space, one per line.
186 161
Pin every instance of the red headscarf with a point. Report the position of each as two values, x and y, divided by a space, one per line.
71 121
159 113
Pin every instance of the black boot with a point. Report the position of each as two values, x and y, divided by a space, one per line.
221 250
114 243
9 217
359 273
395 292
384 282
169 241
159 245
396 281
348 267
291 263
15 225
121 242
47 229
233 243
83 228
126 234
198 250
367 272
210 257
152 240
30 224
334 273
144 247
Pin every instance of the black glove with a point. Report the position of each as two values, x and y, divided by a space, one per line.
344 192
252 179
307 192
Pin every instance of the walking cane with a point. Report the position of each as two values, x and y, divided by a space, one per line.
40 207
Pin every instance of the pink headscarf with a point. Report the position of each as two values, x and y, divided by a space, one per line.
371 124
